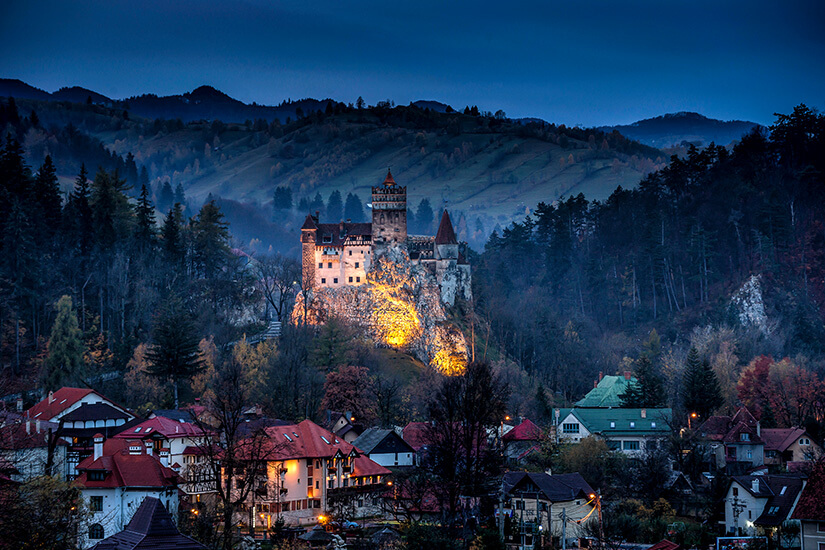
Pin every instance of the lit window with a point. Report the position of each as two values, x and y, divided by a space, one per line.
652 424
632 424
612 424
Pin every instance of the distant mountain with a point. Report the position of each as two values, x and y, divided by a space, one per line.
76 94
11 87
436 106
672 129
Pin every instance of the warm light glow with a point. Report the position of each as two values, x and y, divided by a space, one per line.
693 415
389 483
507 417
395 318
322 518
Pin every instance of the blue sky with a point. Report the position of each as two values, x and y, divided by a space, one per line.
587 62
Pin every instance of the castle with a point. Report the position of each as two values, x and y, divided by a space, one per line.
335 255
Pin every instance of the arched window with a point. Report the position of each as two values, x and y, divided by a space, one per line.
96 531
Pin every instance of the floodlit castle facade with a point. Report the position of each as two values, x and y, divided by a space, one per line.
335 255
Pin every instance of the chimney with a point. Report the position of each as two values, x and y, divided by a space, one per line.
755 486
51 397
98 439
164 457
595 383
19 404
758 429
627 375
28 426
317 215
601 375
37 426
149 448
644 413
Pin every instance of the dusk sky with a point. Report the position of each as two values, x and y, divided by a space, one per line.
587 62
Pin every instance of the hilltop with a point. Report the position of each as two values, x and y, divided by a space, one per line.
672 129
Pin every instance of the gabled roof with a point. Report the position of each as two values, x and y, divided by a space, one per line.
15 435
373 437
607 392
57 402
609 422
811 505
729 429
95 411
416 435
555 488
331 234
166 427
445 234
779 439
305 440
125 469
525 431
362 465
780 492
665 545
180 415
151 528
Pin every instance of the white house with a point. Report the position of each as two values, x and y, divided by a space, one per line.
115 480
631 431
385 447
758 503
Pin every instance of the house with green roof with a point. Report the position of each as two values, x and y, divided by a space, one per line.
606 392
632 431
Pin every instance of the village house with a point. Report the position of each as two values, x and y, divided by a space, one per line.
760 504
631 431
115 480
535 502
311 471
810 510
25 445
385 447
80 414
340 254
521 440
735 442
784 446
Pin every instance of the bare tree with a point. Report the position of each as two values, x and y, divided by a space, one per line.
279 278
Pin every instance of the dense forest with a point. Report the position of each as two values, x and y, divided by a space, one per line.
577 287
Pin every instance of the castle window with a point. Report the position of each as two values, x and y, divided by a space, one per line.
350 252
320 265
323 281
358 279
356 264
335 281
350 279
329 265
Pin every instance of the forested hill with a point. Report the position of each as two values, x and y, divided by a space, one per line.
488 170
672 129
668 255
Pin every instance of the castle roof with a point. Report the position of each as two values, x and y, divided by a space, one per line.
309 223
334 234
389 180
445 234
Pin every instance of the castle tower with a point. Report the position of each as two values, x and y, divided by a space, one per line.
389 215
308 240
446 243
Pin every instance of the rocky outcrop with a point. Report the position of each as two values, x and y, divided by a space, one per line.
399 306
749 306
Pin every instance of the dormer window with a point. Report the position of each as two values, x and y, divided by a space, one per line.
137 430
653 425
632 424
744 437
327 238
96 475
612 423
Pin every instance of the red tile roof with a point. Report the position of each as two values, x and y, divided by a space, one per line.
729 429
389 179
665 545
161 425
14 435
416 434
364 466
57 402
811 504
305 440
779 439
525 431
445 234
125 469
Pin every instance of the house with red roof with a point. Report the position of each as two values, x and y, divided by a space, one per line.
523 439
311 471
735 441
789 445
810 509
115 480
25 444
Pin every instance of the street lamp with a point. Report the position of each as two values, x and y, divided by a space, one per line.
691 416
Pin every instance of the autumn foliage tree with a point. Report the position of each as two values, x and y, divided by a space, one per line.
350 389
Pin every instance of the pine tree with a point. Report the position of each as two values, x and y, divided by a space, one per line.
353 209
701 393
64 362
175 354
47 194
165 197
82 211
647 391
145 233
172 234
335 207
282 199
180 196
210 236
424 215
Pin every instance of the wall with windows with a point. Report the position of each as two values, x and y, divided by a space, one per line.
110 510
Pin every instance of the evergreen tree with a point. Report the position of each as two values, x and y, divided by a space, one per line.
47 194
210 240
174 354
424 216
166 197
64 362
701 393
180 196
335 207
145 233
647 391
317 204
16 176
353 208
172 234
81 211
112 214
